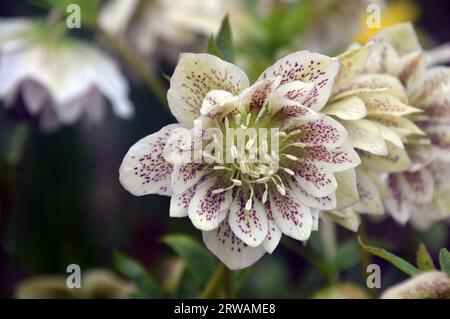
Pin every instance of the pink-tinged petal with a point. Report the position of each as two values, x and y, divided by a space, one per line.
217 103
337 160
400 125
324 132
297 91
144 170
274 233
250 226
196 75
439 136
234 253
411 69
307 67
257 96
396 161
314 179
206 209
435 86
396 204
365 135
349 108
369 197
347 192
439 111
420 155
292 216
186 175
382 103
417 186
427 285
382 58
402 37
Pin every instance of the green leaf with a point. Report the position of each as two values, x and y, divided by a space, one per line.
199 261
132 270
224 40
398 262
346 256
213 49
423 259
444 260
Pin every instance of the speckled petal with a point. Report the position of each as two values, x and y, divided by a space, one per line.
402 37
250 226
314 179
364 135
257 96
297 91
440 140
179 202
337 160
292 216
420 155
324 203
369 197
274 233
185 175
307 67
417 186
196 75
217 103
324 132
396 203
349 108
207 210
144 169
382 103
400 125
234 253
397 160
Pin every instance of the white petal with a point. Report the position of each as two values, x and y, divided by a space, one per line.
314 179
196 75
369 197
349 108
234 253
337 160
365 135
250 226
291 215
208 210
307 67
144 170
274 233
186 175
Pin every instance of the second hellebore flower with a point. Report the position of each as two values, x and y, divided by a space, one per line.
282 165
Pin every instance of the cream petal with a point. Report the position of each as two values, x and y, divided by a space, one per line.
144 170
400 125
383 103
349 108
179 202
324 203
217 103
402 37
346 218
292 216
440 140
397 160
420 155
369 197
230 250
365 135
346 192
352 63
307 67
297 91
206 209
396 203
389 135
436 84
250 226
194 76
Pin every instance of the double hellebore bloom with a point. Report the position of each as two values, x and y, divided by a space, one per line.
247 164
59 78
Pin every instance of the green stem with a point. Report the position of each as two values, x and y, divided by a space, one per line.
213 285
366 258
308 257
229 284
18 145
136 63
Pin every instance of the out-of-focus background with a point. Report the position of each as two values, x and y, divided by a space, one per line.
66 205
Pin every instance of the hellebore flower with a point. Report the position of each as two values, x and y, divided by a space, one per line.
268 160
420 190
59 78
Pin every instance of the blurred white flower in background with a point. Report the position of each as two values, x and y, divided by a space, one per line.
59 78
